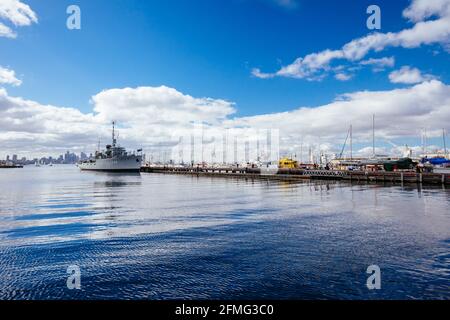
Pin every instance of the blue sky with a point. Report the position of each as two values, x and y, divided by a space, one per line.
204 49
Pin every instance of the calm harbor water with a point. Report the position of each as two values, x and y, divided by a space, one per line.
153 236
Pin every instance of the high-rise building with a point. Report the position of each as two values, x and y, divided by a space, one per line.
66 157
70 157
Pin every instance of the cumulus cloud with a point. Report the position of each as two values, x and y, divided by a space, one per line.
431 20
147 116
6 31
398 113
379 64
423 9
368 151
343 76
30 129
257 73
308 66
155 117
159 105
17 13
408 75
8 76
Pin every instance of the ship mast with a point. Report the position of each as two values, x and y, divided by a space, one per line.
113 136
445 145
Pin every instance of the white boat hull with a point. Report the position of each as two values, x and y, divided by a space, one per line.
131 163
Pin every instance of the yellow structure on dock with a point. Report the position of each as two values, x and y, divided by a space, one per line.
287 163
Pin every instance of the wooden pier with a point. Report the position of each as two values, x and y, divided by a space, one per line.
301 174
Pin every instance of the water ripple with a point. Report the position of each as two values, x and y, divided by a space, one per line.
179 237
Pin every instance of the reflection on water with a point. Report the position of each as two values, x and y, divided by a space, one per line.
156 236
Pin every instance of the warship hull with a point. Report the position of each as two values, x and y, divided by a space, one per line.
128 164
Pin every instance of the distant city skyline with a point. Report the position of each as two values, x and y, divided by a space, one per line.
66 158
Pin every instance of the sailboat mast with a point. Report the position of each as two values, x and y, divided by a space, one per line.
351 143
425 141
373 135
421 139
445 145
301 151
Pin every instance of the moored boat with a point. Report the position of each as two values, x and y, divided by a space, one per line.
114 158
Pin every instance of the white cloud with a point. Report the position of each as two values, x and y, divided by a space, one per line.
408 75
146 116
424 32
399 114
343 76
308 66
9 77
368 151
20 14
159 105
6 31
17 13
379 62
153 117
257 73
29 127
420 10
